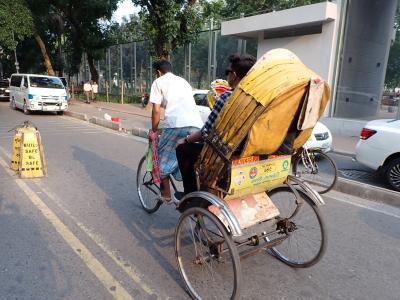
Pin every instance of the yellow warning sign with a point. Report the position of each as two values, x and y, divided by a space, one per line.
27 155
15 158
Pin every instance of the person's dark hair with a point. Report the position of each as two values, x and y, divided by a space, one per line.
162 65
241 64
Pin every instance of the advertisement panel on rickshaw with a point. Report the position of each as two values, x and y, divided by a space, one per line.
251 175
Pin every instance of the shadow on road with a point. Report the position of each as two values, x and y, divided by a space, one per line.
154 233
28 269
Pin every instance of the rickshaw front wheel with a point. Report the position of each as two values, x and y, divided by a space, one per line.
207 258
148 192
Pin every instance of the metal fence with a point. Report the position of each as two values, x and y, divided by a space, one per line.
127 68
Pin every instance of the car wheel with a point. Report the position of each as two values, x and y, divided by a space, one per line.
60 113
12 104
25 109
393 173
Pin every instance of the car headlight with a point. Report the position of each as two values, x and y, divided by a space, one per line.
33 97
311 138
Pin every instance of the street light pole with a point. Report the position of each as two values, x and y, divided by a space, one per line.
15 55
1 65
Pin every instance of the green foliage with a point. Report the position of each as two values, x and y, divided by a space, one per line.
213 9
14 17
131 29
169 23
85 30
392 78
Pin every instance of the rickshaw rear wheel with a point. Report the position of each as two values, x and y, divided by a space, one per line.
301 222
148 191
207 258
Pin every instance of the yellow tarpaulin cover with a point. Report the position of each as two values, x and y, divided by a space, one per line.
276 90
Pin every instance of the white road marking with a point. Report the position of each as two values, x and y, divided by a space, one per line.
109 282
127 267
381 208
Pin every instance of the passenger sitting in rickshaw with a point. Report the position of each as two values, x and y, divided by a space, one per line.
189 148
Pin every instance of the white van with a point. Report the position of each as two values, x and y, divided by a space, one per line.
37 92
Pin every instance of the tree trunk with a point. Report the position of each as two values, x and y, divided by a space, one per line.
60 57
93 71
46 58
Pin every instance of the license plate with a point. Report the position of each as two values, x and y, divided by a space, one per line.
47 108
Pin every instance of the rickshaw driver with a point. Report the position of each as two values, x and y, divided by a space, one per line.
188 149
181 118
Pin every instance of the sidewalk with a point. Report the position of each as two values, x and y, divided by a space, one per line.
130 115
135 116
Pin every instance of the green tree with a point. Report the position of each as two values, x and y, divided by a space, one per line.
392 78
15 18
169 24
86 27
44 30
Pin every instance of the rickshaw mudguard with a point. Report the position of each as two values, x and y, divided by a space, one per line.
314 195
233 223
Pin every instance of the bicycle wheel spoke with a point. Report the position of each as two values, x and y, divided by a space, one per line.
317 169
305 243
207 272
148 192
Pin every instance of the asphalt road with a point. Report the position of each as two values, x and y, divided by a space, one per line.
80 233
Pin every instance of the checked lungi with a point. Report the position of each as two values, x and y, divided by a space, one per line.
166 150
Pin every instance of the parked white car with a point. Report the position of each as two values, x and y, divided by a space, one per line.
379 149
321 137
200 96
31 92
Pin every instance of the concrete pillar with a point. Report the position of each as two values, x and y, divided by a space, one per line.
368 35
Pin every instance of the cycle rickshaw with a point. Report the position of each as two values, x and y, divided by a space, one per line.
249 202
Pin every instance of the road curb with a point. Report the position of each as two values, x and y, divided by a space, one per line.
141 132
106 123
145 115
76 115
367 191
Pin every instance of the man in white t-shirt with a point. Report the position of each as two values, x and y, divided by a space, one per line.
87 88
95 90
181 119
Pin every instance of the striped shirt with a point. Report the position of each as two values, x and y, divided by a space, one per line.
219 104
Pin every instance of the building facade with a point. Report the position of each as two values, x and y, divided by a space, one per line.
346 42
